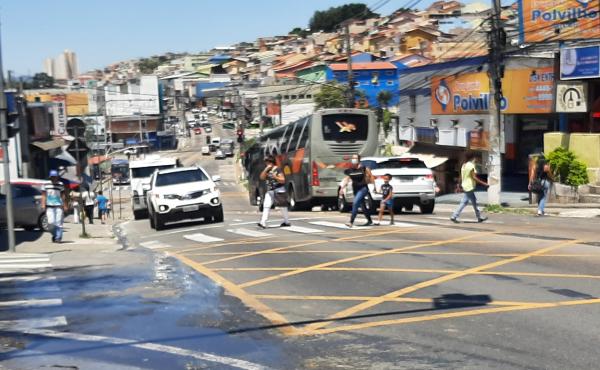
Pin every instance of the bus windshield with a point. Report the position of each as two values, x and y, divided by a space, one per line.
345 127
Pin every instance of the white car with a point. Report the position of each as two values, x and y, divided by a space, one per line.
220 155
205 150
183 193
412 181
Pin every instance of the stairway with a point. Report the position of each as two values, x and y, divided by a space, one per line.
589 194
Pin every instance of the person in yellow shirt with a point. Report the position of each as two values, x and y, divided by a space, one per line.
469 180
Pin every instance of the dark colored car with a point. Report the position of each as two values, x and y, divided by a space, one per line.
27 197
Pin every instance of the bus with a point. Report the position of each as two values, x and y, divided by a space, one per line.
140 172
119 170
313 153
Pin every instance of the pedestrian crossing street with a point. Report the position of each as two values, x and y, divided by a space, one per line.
26 282
250 230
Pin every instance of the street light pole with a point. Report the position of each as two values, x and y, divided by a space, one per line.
80 178
10 221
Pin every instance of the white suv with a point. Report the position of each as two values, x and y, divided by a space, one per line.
412 181
181 194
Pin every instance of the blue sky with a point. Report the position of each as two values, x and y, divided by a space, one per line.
102 32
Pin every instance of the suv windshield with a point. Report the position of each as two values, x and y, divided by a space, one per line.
147 171
181 177
395 163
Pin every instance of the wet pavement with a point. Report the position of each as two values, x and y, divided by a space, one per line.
146 314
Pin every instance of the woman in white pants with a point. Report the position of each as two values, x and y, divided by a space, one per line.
275 187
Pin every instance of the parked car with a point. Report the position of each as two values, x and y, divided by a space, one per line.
212 148
220 154
412 181
197 131
183 193
205 150
208 129
228 152
27 195
229 125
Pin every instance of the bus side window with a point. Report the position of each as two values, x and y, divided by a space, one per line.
303 134
293 139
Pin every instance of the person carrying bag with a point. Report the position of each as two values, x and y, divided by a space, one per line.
276 193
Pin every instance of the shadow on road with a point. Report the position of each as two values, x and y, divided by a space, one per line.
21 236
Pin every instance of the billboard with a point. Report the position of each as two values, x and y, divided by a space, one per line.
583 62
552 20
139 99
525 91
77 104
468 93
528 90
60 115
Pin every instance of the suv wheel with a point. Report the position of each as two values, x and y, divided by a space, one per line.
218 215
43 222
342 205
159 224
427 208
152 225
294 204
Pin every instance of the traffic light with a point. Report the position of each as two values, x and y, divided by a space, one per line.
12 114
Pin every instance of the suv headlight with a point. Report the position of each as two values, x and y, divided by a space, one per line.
171 196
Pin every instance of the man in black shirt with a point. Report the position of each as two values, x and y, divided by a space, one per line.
361 177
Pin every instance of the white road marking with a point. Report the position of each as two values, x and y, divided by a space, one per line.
154 245
26 278
36 289
255 222
302 230
337 225
203 356
35 323
22 255
24 260
202 238
32 303
464 221
20 266
180 231
402 224
248 232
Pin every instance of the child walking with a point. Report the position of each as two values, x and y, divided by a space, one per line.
387 192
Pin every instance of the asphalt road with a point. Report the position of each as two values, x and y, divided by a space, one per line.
517 292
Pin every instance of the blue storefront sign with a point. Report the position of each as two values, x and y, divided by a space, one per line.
577 63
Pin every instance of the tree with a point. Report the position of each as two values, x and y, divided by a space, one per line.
41 81
383 98
300 32
331 95
328 20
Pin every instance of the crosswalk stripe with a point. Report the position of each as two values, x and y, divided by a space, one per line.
35 323
202 238
302 230
30 289
9 279
248 232
19 266
336 225
32 303
154 245
22 255
403 224
24 260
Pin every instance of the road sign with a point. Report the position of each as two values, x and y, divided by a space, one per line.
582 62
571 97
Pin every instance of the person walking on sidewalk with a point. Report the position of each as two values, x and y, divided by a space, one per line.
55 204
387 194
275 194
89 199
361 177
540 182
74 196
102 202
469 180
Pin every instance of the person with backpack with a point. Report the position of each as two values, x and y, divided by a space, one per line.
540 182
89 199
469 180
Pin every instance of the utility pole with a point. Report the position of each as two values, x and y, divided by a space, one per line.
80 178
280 110
10 219
350 73
495 72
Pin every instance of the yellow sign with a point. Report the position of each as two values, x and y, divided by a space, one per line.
525 91
463 94
528 91
551 20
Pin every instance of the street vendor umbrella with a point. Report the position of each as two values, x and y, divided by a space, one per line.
70 180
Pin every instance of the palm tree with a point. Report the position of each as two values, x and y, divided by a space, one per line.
383 98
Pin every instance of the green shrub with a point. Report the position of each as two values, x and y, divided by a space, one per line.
567 168
577 174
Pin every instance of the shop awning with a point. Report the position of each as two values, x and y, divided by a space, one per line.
49 144
66 156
